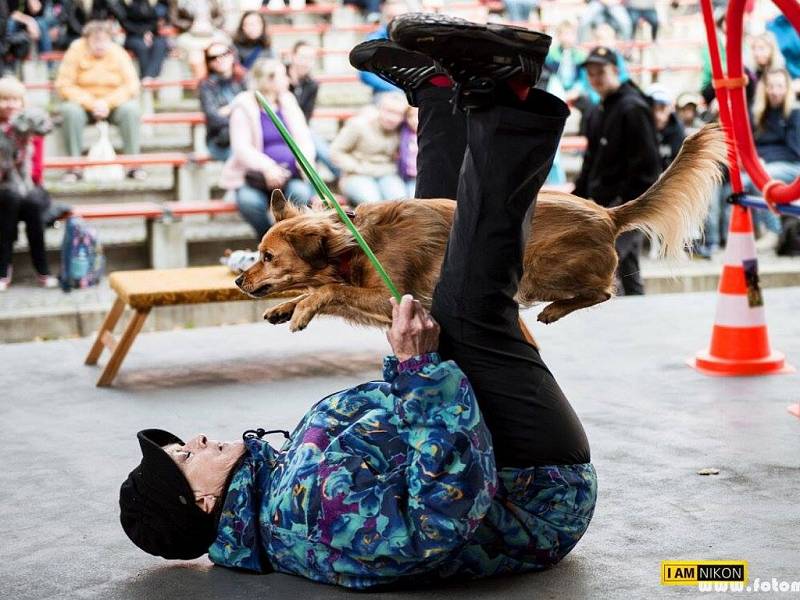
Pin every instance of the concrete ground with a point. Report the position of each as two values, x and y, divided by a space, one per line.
652 423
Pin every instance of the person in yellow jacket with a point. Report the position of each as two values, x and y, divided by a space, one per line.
98 81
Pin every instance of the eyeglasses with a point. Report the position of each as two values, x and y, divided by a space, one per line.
216 56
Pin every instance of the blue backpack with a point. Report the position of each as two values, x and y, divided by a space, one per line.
82 260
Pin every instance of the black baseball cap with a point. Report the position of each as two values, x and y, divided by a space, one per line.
601 55
157 507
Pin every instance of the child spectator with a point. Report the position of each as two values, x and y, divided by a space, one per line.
407 163
765 55
22 197
669 130
260 161
252 40
98 82
200 23
366 150
139 19
217 92
563 63
305 88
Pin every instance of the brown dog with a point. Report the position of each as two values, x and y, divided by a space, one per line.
569 260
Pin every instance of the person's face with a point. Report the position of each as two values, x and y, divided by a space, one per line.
253 27
277 82
303 60
393 9
99 44
687 114
604 79
566 37
220 59
761 52
391 114
776 89
9 106
206 465
661 113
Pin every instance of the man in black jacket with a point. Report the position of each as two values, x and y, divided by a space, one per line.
622 158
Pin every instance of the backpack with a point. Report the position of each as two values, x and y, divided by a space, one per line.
82 260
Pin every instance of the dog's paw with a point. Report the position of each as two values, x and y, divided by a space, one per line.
303 313
281 313
549 315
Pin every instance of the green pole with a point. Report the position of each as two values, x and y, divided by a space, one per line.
326 195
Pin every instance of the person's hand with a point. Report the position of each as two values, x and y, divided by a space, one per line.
100 109
225 111
276 176
148 38
413 329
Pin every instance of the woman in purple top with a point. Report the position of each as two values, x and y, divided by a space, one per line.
260 160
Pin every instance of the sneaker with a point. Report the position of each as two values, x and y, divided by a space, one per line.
404 69
47 281
476 56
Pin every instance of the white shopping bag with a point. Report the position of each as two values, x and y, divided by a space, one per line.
103 150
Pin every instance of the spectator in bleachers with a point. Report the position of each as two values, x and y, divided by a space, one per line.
788 42
520 10
98 81
139 19
22 197
389 10
260 160
217 92
200 23
74 15
643 11
407 162
366 150
611 12
252 40
669 129
764 54
371 9
563 64
776 130
621 159
688 107
706 76
305 88
34 17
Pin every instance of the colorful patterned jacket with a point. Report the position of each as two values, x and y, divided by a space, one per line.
393 479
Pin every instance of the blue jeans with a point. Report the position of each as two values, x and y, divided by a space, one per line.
254 203
411 187
361 189
218 152
782 171
324 154
520 10
645 14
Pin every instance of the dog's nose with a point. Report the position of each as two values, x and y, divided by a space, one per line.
240 280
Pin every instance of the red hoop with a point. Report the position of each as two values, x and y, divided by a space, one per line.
779 192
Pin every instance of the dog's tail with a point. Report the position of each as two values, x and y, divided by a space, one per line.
672 211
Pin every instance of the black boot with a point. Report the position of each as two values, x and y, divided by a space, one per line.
405 69
479 58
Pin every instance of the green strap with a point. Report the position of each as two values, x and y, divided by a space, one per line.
328 199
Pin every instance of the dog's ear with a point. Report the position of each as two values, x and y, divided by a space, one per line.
311 246
281 207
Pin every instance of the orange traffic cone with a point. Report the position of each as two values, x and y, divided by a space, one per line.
739 341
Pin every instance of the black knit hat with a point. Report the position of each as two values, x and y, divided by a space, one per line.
157 507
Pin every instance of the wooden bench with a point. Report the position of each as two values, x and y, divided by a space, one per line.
144 290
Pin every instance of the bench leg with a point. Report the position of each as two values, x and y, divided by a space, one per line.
126 341
108 326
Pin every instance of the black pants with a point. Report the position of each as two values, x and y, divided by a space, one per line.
150 58
29 209
629 276
493 163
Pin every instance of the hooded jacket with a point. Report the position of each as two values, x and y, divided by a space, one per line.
621 159
395 480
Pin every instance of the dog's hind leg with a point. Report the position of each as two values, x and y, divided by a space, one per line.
560 308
